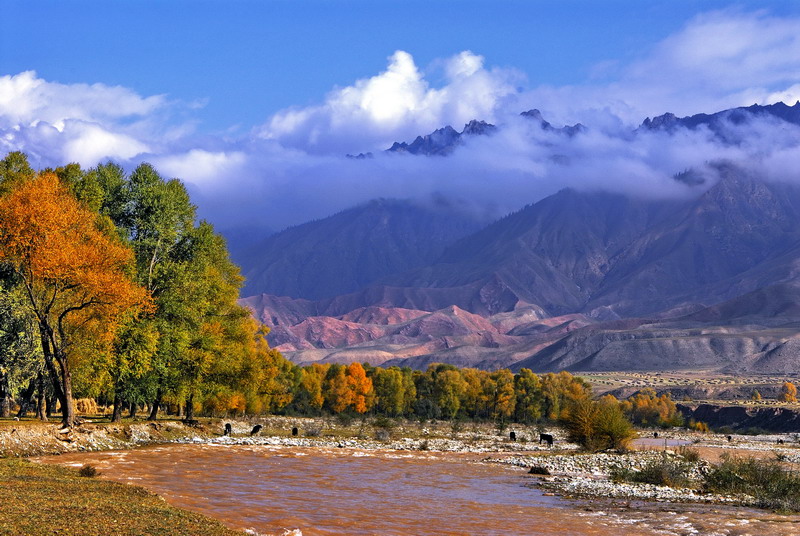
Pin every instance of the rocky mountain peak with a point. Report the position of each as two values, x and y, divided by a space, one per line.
478 128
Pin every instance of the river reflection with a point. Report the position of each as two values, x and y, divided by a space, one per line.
340 491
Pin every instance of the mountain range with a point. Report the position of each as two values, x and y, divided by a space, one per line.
580 280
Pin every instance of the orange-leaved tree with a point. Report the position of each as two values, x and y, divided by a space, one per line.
75 276
788 392
361 386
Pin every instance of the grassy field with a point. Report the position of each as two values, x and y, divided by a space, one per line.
43 500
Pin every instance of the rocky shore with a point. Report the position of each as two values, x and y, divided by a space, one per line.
589 476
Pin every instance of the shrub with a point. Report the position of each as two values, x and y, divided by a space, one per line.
344 419
88 471
598 425
539 470
765 480
689 454
384 422
664 471
698 426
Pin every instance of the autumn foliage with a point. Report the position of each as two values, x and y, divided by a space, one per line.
788 392
75 276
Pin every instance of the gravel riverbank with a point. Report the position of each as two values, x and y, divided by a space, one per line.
572 474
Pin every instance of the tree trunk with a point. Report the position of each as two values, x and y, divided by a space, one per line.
49 406
47 351
5 397
61 377
116 416
134 407
67 411
190 408
156 403
40 398
27 396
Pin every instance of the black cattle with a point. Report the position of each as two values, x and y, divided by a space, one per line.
295 431
256 429
228 428
730 438
512 436
655 435
546 437
780 442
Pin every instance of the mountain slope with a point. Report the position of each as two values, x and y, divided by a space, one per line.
554 253
351 249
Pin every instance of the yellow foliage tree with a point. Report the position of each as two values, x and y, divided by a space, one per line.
75 276
336 389
788 392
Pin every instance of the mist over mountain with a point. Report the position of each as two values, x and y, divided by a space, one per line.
444 141
582 279
718 122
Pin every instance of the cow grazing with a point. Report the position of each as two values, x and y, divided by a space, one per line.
256 429
512 436
295 431
655 435
228 429
547 438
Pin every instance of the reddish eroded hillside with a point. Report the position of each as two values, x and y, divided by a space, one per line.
382 315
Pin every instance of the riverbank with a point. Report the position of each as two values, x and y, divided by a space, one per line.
34 438
45 499
572 474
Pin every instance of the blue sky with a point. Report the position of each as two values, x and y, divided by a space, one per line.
255 103
245 60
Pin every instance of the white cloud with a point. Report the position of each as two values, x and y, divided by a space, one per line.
392 105
202 168
59 123
90 142
27 99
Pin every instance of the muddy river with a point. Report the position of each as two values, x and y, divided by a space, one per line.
315 491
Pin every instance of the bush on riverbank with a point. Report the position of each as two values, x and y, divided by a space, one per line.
663 471
766 480
598 425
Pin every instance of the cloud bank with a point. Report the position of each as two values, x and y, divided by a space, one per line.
292 168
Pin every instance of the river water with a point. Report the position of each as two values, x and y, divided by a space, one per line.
316 491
